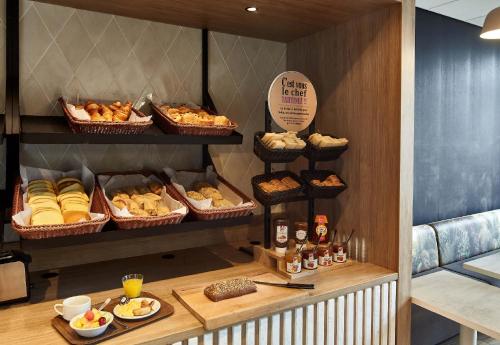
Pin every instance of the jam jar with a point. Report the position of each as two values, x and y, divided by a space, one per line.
310 259
293 261
325 257
339 251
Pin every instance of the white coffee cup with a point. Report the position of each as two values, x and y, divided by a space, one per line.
73 306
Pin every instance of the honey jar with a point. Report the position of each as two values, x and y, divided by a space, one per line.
293 260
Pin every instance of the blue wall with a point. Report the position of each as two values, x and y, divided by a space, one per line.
457 120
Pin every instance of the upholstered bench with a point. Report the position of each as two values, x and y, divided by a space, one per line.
447 245
467 238
427 328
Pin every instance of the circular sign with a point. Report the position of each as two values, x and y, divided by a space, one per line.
292 101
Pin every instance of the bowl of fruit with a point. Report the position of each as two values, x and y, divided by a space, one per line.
91 323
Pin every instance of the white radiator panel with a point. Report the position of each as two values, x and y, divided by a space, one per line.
365 317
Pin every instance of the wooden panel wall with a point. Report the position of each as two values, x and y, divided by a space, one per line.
363 73
355 68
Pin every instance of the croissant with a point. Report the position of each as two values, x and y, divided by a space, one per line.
90 107
117 119
97 117
121 115
108 116
127 109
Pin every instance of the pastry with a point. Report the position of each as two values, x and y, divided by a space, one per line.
141 201
330 181
276 185
195 195
119 203
221 120
286 140
116 112
210 193
290 182
323 141
229 289
194 116
162 210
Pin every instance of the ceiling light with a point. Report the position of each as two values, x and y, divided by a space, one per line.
491 26
251 9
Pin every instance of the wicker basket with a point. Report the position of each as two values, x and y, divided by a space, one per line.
127 223
317 154
215 214
319 192
274 198
91 127
273 155
32 232
169 126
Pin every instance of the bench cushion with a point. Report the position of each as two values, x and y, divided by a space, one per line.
464 237
424 249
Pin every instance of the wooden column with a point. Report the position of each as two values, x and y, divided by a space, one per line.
363 70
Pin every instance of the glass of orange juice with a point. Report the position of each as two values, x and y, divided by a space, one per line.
132 284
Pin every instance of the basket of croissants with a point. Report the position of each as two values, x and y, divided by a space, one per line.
116 117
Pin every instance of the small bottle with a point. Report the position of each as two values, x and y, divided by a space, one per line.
280 235
300 234
320 230
293 260
310 259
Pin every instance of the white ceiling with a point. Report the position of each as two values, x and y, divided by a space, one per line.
471 11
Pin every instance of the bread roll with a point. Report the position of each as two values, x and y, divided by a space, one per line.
230 288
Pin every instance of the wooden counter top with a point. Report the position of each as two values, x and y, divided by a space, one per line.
30 324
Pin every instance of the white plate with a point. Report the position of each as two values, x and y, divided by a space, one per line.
156 307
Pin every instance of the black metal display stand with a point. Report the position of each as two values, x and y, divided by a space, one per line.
267 170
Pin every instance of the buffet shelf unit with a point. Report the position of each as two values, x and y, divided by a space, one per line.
304 195
28 129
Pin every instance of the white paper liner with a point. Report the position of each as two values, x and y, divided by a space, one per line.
110 184
183 180
83 115
23 218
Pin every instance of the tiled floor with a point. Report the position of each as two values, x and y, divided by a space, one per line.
481 340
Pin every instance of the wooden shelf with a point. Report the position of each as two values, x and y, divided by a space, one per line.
111 233
277 262
284 20
55 130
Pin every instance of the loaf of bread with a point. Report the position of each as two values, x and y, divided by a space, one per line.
230 288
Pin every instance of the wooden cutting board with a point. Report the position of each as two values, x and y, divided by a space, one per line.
215 315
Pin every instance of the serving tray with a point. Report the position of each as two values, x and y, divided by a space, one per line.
115 328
